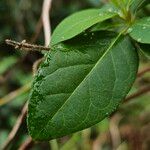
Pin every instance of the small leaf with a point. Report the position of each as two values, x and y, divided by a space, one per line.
81 81
79 22
140 30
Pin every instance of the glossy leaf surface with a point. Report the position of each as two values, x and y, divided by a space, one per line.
140 30
80 21
81 82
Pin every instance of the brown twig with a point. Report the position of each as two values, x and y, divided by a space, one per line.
141 73
26 46
114 130
30 47
27 144
46 20
1 79
16 127
36 65
13 94
138 93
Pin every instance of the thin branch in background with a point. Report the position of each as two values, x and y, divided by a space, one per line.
140 92
47 34
137 94
114 130
100 141
26 46
46 20
38 29
1 79
27 144
14 94
16 127
142 72
36 65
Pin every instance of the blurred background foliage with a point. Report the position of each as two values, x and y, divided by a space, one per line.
20 19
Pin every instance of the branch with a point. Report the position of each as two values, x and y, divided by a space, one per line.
27 144
13 94
141 73
36 65
46 21
16 127
138 93
26 46
114 130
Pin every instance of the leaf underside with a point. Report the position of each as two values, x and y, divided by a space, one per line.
81 81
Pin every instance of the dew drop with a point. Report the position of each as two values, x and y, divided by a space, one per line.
62 37
130 30
107 113
144 27
110 10
92 33
139 39
59 46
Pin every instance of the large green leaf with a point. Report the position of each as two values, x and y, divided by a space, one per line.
80 21
140 30
80 83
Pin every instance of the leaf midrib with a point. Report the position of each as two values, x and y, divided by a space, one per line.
111 45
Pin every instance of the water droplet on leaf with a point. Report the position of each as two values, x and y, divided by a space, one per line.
110 10
144 27
107 113
130 30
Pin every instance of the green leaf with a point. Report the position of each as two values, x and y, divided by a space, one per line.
140 30
79 22
108 26
119 3
81 82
